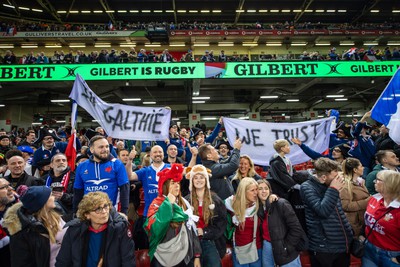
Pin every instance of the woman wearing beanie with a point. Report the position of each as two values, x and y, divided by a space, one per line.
100 236
212 215
171 224
281 230
247 241
36 229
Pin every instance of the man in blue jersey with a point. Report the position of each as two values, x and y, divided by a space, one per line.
148 176
102 173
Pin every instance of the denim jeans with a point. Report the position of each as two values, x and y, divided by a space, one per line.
209 256
268 257
294 263
253 264
376 257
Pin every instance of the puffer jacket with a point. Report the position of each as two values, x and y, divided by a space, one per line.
29 242
119 247
284 229
327 226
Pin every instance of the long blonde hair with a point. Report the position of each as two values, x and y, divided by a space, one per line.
250 173
348 166
239 203
51 221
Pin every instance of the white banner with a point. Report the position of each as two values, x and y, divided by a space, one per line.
258 137
123 121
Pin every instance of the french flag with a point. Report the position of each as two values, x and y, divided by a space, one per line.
387 108
70 151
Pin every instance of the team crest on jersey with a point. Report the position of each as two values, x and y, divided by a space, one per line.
108 169
388 217
86 172
129 233
45 156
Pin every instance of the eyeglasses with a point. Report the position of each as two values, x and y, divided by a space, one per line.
378 180
7 186
99 210
223 147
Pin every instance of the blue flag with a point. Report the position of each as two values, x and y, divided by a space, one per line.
387 108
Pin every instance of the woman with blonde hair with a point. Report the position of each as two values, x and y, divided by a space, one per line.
100 236
36 229
212 215
382 220
354 195
247 241
246 169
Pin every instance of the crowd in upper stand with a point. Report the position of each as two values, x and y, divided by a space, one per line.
12 27
143 56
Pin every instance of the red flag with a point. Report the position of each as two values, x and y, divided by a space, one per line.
70 152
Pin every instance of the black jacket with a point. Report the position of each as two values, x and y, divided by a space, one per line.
235 182
29 245
216 228
281 181
220 172
119 247
384 142
24 179
327 226
66 199
284 229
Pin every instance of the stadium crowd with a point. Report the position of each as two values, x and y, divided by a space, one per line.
185 198
152 56
12 26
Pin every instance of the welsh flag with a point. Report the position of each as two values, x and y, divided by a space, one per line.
70 152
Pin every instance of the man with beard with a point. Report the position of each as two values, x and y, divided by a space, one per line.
148 177
16 166
61 180
102 173
7 199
